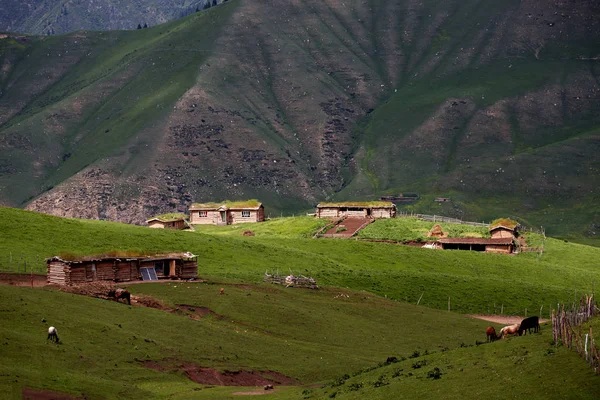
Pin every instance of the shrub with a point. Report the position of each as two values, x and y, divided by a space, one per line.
434 373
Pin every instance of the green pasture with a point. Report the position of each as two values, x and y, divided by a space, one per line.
474 282
332 340
406 229
529 366
309 335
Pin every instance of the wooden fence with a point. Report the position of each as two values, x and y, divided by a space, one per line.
566 328
19 263
441 218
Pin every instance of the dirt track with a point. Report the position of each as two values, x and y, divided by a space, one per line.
503 319
16 279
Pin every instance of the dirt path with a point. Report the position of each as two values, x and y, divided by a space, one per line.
22 279
503 319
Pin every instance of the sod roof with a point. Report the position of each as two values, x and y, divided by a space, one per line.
505 222
169 217
366 204
252 204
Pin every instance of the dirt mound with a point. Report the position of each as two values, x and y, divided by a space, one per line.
211 376
40 394
98 289
247 233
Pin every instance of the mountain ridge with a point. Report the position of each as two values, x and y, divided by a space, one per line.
318 101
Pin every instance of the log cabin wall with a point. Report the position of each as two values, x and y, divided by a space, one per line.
504 249
76 274
383 213
501 233
57 273
105 270
188 269
328 212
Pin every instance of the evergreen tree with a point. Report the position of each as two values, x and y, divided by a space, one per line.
139 26
145 25
214 2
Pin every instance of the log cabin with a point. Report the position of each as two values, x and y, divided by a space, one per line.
168 221
73 271
227 213
371 209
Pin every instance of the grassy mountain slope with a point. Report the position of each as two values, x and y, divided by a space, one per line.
313 336
264 328
493 104
43 17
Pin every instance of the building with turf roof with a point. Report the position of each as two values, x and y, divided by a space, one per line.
367 209
168 221
78 270
500 245
500 231
227 212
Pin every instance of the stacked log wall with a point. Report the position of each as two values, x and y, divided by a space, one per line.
76 275
328 213
188 269
105 271
382 213
57 273
504 249
124 271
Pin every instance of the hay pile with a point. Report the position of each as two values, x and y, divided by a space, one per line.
436 232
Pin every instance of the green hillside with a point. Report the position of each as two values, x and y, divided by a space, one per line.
492 104
475 282
316 342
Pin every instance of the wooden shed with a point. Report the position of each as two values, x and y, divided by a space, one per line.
119 269
168 221
372 209
500 245
227 212
501 231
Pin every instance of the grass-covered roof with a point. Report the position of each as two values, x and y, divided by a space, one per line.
253 203
506 222
170 217
358 204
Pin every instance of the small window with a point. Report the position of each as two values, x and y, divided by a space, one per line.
245 214
203 214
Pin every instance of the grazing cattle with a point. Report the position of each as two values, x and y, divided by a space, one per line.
490 332
528 324
53 335
120 294
510 330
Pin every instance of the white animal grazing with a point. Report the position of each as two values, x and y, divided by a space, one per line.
52 334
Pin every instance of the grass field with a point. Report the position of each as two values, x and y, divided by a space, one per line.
475 282
364 313
311 336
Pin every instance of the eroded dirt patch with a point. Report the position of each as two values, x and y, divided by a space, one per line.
199 311
211 376
40 394
17 279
